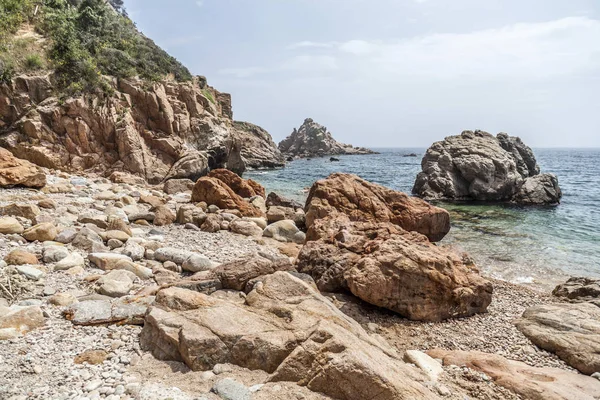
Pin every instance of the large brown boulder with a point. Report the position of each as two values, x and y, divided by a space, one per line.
389 267
17 172
242 187
531 383
283 327
571 331
215 191
361 200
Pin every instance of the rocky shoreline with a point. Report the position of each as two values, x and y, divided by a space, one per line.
93 261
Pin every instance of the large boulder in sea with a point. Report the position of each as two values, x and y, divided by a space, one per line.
402 271
286 328
571 331
475 165
17 172
314 140
361 200
215 191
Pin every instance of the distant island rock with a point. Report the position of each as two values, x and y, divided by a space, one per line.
314 140
478 166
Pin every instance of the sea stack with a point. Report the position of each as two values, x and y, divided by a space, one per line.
314 140
477 166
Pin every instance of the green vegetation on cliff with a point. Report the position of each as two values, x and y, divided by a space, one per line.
86 39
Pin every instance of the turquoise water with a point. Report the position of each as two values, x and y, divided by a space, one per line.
531 245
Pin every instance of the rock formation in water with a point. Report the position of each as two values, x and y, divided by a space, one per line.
314 140
257 147
478 166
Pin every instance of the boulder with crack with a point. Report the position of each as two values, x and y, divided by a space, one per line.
389 267
283 327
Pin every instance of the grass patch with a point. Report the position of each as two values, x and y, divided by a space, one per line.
34 62
209 96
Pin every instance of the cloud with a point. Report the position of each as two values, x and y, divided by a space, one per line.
300 64
308 44
199 3
534 50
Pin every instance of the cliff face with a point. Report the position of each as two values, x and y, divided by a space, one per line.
166 130
258 150
314 140
156 128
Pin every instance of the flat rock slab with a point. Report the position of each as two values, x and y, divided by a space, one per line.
127 310
531 383
572 331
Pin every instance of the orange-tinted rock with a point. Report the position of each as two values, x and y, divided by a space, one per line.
242 187
389 267
215 191
17 172
361 200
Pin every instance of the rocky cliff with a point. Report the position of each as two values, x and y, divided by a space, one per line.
154 120
314 140
476 165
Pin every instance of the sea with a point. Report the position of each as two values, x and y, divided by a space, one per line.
537 246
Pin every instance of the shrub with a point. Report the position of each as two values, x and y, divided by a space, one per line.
34 62
7 71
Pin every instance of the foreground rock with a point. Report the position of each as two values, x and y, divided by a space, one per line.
285 328
17 172
361 200
389 267
314 140
572 331
531 383
478 166
16 321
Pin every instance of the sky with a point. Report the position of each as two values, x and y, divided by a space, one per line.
395 73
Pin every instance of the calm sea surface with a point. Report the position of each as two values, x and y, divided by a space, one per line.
530 245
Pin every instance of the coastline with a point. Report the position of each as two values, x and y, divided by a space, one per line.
54 348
